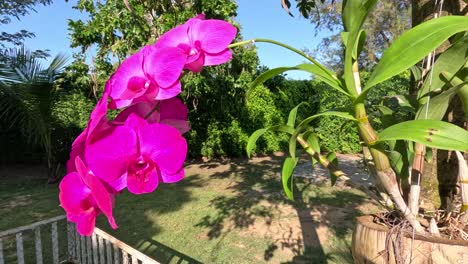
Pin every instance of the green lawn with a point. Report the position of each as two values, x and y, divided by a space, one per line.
222 212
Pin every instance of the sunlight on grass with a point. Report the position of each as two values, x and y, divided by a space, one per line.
220 213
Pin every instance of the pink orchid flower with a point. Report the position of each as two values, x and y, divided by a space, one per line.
84 197
97 125
171 112
205 42
147 75
140 154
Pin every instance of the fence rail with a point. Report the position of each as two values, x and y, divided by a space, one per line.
99 248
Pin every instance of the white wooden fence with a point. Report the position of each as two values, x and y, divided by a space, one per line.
100 248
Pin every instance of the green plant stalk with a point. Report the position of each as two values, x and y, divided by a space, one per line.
321 159
384 172
286 46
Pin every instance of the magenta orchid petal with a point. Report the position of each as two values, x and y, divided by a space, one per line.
214 35
171 178
167 93
130 68
117 185
173 37
78 147
181 125
86 222
219 58
98 191
143 184
164 145
97 115
164 65
142 109
72 192
197 65
108 157
173 108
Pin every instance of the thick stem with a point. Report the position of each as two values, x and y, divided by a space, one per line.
385 174
416 175
323 160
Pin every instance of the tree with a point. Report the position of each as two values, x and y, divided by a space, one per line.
15 9
118 28
27 96
389 19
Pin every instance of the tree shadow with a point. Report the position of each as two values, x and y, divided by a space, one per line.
257 195
136 228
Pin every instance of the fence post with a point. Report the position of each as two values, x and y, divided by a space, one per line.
38 244
19 248
2 260
55 249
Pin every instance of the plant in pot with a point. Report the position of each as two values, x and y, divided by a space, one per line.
143 146
399 148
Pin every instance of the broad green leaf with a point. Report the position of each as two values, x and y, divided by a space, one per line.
326 76
304 123
312 140
293 114
449 62
266 76
287 176
416 71
386 116
331 156
432 133
400 158
258 133
437 106
355 12
413 46
357 45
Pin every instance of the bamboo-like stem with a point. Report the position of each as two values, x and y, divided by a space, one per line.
416 175
463 177
385 174
321 159
433 229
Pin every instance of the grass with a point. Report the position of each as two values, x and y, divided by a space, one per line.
222 212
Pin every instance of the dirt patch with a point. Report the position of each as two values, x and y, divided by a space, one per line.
17 201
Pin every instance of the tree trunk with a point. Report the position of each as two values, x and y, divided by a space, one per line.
444 166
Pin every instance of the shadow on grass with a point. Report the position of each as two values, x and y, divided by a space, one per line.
136 228
259 181
164 254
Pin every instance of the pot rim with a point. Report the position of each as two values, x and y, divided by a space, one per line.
367 221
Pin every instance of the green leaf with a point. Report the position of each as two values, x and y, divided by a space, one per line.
293 114
331 156
304 123
416 71
413 46
251 143
266 76
432 133
313 141
399 156
287 176
328 77
437 105
449 61
358 45
354 13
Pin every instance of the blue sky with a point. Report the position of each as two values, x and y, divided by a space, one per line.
258 18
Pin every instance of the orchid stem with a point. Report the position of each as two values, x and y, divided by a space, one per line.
286 46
